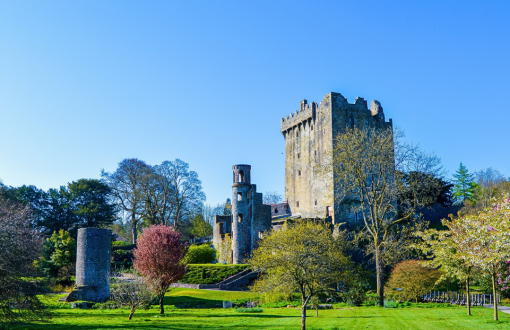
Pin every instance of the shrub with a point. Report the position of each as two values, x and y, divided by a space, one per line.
200 254
209 274
409 280
119 243
249 310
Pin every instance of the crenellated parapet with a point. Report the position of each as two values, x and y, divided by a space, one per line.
306 112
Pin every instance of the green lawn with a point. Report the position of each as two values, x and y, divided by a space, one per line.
271 318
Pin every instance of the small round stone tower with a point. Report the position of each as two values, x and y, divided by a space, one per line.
93 264
241 213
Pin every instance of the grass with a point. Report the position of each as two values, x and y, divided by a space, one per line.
270 318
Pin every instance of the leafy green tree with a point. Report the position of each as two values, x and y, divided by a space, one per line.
464 187
303 257
201 228
200 254
59 251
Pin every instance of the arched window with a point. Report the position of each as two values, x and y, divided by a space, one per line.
241 176
275 210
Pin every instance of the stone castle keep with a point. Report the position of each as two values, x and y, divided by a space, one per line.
309 135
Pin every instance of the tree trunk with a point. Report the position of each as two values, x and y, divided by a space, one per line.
468 300
131 313
494 297
161 306
303 317
133 227
317 311
378 266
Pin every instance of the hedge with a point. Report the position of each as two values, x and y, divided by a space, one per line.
210 273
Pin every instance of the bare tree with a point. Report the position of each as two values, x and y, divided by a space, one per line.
488 181
19 246
272 197
365 166
133 294
126 184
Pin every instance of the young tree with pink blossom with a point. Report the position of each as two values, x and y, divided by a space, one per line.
486 241
158 257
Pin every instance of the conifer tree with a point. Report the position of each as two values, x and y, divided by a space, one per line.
464 186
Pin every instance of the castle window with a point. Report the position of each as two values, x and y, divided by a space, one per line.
275 210
239 196
298 172
315 202
241 176
297 134
297 204
261 234
298 155
352 122
248 200
239 217
311 127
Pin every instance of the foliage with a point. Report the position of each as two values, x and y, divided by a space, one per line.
464 187
158 257
163 194
249 310
353 289
409 280
59 251
83 203
119 243
200 254
411 189
131 294
20 244
209 274
224 249
369 168
201 228
303 257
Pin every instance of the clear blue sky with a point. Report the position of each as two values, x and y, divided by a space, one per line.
85 84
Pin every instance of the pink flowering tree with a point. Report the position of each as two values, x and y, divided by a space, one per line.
486 241
158 256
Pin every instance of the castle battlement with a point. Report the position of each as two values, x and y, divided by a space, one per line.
306 112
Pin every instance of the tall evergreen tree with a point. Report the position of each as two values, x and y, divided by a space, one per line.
464 186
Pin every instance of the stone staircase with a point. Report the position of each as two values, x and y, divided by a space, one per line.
237 282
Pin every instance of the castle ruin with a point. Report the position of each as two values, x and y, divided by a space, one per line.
309 135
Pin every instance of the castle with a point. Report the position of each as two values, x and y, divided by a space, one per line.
309 135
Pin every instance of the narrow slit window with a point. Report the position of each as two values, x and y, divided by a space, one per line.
239 217
298 155
239 196
298 172
297 134
297 204
315 202
241 176
275 210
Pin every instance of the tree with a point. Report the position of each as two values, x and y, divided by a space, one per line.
302 257
200 254
131 294
59 251
412 190
201 228
464 187
365 166
443 249
158 257
410 280
126 185
486 240
91 203
20 244
272 197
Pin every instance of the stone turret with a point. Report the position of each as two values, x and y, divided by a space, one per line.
93 264
241 213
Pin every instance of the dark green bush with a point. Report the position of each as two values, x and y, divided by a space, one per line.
200 254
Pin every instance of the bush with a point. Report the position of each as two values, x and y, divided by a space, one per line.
200 254
410 280
119 243
249 310
209 274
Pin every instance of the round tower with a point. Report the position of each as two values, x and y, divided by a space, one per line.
241 213
93 263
